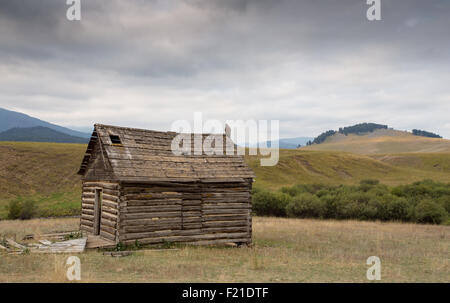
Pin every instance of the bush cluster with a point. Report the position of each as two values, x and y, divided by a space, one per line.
422 202
21 209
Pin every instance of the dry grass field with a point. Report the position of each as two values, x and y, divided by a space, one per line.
284 250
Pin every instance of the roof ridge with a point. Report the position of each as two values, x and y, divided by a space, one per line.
150 130
132 128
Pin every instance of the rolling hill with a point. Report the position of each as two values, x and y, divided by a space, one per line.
11 119
46 172
381 141
39 134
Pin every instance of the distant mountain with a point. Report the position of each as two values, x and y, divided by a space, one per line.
288 143
11 119
39 134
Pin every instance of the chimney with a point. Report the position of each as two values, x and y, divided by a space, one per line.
227 130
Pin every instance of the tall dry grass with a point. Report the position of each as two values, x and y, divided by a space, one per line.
284 250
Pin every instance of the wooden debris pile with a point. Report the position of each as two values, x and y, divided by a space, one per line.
69 246
44 246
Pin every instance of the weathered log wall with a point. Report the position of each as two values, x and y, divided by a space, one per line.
185 212
109 211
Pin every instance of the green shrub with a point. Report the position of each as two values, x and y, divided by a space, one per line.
266 203
445 202
369 182
28 210
294 190
255 190
428 211
14 209
329 201
23 210
397 209
369 200
306 206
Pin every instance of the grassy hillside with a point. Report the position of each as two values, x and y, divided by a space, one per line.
305 166
46 172
382 141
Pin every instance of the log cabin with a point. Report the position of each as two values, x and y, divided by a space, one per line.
135 188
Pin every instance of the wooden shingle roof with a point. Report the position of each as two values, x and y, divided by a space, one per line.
145 155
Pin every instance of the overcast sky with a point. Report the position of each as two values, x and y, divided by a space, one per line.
313 65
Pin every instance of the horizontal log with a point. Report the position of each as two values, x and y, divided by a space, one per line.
110 197
109 204
88 201
152 196
109 216
226 180
207 224
88 195
87 206
89 229
232 217
87 223
150 228
244 194
150 190
131 229
193 225
162 233
222 190
191 213
109 210
109 223
228 236
226 200
192 202
152 215
191 219
108 229
191 208
225 211
107 235
207 206
149 222
226 229
92 190
192 196
107 185
87 211
154 202
87 217
159 208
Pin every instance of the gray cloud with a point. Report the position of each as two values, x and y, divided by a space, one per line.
314 65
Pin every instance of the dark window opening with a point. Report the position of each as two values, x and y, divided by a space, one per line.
115 139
